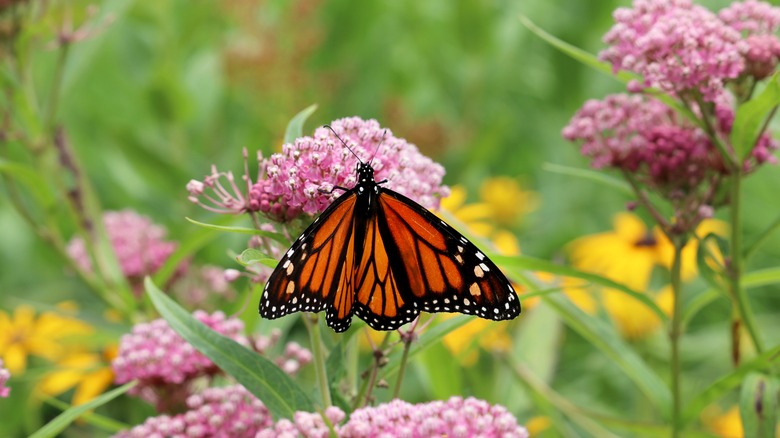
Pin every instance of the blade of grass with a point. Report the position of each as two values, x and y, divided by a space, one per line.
604 338
59 423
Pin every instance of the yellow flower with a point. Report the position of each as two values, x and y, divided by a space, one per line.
627 254
22 334
689 265
473 216
537 425
724 424
90 373
508 201
633 318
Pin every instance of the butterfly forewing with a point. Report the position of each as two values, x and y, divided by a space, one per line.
442 270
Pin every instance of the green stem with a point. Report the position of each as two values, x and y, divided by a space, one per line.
364 395
315 338
738 293
675 333
402 367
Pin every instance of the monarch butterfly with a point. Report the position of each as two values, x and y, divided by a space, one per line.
379 255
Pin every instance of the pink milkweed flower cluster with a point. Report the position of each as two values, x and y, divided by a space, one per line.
163 363
305 424
661 149
757 22
676 46
166 366
5 375
456 417
226 412
139 245
305 177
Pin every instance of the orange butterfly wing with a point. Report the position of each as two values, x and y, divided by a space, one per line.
317 272
416 262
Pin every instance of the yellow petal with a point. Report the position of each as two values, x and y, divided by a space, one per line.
15 358
455 200
633 318
93 385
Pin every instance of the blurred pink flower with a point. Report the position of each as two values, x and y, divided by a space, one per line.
675 46
301 179
5 375
225 412
138 243
758 22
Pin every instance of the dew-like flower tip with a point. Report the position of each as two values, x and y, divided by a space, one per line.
301 179
675 46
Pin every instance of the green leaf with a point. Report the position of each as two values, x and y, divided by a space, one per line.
592 175
31 179
604 337
530 263
728 382
576 53
58 424
99 421
758 405
295 127
261 377
761 277
243 230
251 256
751 115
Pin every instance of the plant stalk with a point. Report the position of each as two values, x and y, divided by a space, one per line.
315 339
675 333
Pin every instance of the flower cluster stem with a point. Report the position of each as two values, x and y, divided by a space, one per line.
744 314
315 338
675 333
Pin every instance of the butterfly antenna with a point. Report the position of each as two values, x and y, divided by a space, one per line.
384 135
343 142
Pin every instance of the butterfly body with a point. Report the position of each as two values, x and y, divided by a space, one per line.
379 255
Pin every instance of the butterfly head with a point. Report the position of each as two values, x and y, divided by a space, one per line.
365 172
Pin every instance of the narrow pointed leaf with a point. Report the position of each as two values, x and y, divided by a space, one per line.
280 394
295 127
62 421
